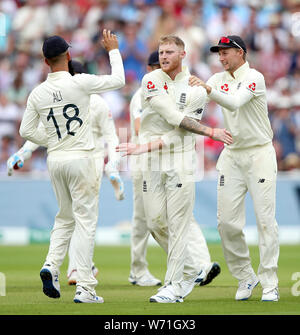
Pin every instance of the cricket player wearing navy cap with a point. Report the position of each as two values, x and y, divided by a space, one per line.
247 165
61 104
104 131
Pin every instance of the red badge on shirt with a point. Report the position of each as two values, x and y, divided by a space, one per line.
166 86
252 86
225 87
150 85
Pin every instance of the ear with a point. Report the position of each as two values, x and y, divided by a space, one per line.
182 54
46 61
68 56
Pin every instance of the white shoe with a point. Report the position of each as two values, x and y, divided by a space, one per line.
49 276
146 280
188 284
246 287
212 272
270 294
82 295
166 295
72 278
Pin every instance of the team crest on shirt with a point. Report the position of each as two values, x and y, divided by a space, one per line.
225 87
252 87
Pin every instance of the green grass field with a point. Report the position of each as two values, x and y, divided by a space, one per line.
24 296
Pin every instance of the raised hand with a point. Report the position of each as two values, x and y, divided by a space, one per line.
109 40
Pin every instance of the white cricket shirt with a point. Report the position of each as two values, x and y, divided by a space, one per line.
181 143
62 103
244 106
103 128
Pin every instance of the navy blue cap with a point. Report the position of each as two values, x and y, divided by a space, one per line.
231 41
153 59
54 46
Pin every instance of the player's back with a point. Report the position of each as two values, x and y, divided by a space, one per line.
63 106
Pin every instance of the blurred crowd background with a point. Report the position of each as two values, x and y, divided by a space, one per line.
271 30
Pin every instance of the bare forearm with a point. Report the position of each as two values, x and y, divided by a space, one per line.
195 127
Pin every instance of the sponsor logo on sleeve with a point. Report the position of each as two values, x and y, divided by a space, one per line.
225 88
252 87
151 87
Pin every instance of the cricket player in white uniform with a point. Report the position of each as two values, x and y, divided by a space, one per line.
139 273
104 132
247 165
168 181
61 103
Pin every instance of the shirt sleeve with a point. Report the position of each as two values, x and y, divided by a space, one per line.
166 107
95 84
252 87
29 128
152 86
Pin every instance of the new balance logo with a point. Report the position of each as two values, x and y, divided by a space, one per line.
222 180
198 111
261 181
144 186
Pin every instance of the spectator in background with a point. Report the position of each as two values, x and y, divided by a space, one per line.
9 117
285 130
133 50
62 15
18 92
94 14
274 64
225 22
193 36
165 24
269 27
29 24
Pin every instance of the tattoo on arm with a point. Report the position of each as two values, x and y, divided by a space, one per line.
194 126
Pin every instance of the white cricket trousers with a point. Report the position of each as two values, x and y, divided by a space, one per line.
74 179
253 170
99 159
169 202
198 254
139 230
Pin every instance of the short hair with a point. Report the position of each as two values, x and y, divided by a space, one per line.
56 59
172 39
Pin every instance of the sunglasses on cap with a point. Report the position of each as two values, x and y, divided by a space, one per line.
226 40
